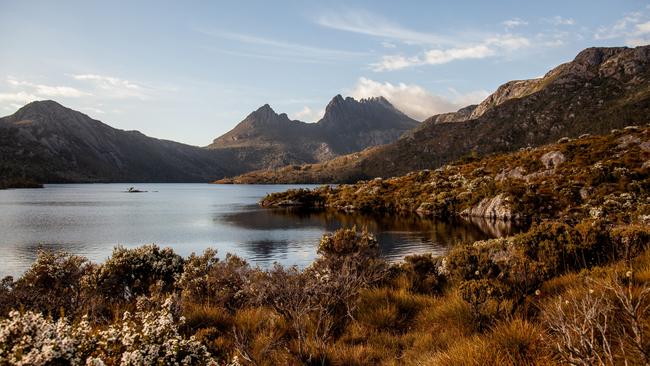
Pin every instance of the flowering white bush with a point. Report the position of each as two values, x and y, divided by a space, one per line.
144 338
32 339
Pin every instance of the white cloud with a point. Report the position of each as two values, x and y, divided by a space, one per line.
508 42
115 87
434 57
308 115
643 28
19 97
491 46
437 48
513 23
396 62
363 22
414 100
47 91
633 28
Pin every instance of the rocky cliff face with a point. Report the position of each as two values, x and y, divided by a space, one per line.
494 208
462 114
510 90
267 140
600 90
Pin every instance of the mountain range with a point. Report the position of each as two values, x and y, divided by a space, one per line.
47 142
266 139
600 90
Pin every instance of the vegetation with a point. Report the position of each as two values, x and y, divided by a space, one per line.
572 290
572 180
532 299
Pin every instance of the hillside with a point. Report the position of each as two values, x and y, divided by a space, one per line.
590 177
267 140
600 90
48 142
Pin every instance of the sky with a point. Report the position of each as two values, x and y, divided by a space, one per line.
189 71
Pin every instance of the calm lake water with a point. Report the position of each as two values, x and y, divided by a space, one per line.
90 219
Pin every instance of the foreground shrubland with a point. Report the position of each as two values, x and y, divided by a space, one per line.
557 294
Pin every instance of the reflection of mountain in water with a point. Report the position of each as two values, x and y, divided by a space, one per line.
397 235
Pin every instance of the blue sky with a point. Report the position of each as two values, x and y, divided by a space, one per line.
189 71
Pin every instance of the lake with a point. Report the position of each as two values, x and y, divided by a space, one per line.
90 219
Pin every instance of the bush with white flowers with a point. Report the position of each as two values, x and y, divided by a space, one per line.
142 338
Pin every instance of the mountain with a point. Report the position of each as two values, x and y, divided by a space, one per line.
267 140
48 142
600 90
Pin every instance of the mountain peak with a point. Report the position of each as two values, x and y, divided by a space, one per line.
49 110
380 100
41 105
336 101
264 114
265 108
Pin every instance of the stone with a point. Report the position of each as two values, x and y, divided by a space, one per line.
496 208
552 159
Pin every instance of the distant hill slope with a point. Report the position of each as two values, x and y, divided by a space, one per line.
265 139
593 177
601 89
51 143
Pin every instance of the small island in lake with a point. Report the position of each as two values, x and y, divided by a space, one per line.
134 190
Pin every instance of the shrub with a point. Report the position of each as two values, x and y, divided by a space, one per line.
8 299
602 325
32 339
209 281
302 197
347 242
422 273
631 240
467 262
147 338
129 273
142 338
477 293
52 285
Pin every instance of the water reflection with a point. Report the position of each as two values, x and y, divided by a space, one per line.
398 235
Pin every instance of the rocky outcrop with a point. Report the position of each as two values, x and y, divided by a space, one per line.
462 114
552 159
510 90
495 208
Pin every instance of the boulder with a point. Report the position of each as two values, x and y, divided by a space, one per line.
496 208
552 159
